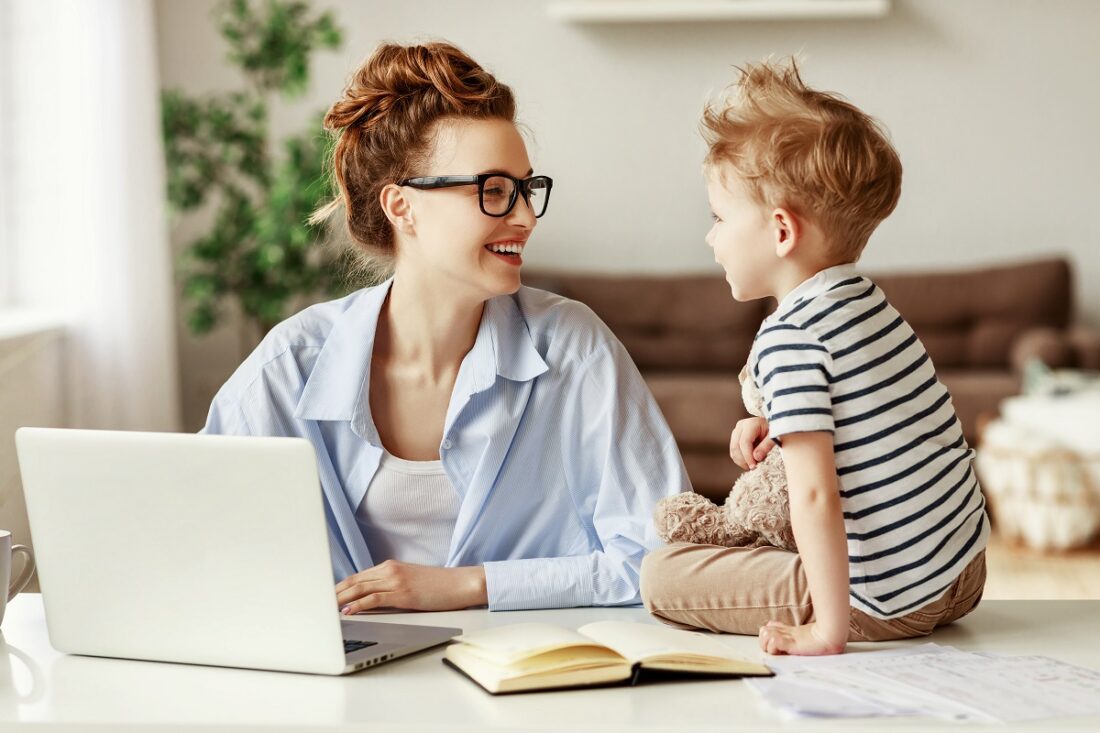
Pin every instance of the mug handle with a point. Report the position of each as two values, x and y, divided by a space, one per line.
28 570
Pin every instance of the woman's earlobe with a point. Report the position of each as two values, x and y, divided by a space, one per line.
397 209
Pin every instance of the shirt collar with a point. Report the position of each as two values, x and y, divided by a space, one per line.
338 385
816 285
514 354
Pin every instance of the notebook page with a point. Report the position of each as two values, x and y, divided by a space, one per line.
638 642
508 644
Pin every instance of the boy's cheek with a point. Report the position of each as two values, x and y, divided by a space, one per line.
723 255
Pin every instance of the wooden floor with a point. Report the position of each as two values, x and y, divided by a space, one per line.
1015 572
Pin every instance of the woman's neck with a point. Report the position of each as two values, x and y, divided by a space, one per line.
425 329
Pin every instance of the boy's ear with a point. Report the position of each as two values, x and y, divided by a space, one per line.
398 209
788 231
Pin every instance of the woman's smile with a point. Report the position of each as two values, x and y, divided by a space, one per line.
508 250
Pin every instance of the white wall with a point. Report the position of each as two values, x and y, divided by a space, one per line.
993 105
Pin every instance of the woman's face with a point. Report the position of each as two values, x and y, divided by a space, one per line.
453 241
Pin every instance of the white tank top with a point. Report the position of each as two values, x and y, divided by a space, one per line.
409 512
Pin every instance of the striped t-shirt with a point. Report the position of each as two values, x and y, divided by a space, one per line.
835 356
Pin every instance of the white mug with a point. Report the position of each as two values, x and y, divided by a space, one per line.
7 551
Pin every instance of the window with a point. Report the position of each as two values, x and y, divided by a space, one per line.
7 75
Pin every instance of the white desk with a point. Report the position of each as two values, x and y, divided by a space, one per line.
58 692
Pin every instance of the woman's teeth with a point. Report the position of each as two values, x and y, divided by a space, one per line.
505 248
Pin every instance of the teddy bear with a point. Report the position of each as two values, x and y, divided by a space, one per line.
756 513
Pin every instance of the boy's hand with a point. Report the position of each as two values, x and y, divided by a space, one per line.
749 442
805 640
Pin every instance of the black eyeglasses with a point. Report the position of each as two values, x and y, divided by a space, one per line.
497 193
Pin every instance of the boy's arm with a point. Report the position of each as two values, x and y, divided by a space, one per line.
818 524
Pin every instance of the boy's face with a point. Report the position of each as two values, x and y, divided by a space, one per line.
743 236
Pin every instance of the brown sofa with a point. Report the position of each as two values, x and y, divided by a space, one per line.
690 339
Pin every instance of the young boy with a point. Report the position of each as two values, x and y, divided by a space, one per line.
886 511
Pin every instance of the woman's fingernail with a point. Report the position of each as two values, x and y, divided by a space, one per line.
344 610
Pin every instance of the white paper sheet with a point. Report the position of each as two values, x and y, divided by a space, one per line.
931 680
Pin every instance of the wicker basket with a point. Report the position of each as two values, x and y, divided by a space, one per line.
1041 495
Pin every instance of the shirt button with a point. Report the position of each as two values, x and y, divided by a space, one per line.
447 445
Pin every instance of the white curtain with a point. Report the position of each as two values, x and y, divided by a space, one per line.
86 209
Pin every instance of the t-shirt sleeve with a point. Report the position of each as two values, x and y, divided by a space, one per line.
791 369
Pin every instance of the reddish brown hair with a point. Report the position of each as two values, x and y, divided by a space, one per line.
812 152
384 129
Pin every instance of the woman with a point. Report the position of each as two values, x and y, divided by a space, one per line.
478 442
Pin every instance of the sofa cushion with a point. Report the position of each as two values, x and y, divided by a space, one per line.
971 318
701 409
712 473
667 323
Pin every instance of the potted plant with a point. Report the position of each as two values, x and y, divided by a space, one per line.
259 254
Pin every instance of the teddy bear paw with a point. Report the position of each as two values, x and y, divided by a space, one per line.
690 517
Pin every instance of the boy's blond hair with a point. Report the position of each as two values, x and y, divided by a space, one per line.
808 151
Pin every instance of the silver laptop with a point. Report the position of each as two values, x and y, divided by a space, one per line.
203 549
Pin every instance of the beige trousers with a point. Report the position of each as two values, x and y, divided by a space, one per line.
737 590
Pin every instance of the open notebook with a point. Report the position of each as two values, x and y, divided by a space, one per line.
527 657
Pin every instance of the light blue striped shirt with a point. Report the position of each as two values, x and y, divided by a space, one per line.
554 443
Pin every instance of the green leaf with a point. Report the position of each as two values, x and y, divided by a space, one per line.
258 249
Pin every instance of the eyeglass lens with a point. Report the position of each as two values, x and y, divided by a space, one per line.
498 195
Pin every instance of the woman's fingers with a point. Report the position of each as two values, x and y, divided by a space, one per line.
358 586
370 601
351 580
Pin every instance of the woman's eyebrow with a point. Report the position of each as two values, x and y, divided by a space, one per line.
502 172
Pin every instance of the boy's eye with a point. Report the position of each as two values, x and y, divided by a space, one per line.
715 217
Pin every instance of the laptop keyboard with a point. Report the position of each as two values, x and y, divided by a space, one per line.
352 645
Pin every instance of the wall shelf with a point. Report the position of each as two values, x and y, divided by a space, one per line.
667 11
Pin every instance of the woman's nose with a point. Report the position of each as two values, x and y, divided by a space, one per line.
522 214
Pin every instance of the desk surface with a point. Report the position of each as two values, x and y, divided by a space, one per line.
55 691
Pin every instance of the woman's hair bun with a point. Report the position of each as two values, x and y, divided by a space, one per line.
437 76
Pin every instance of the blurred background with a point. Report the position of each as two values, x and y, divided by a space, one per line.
157 159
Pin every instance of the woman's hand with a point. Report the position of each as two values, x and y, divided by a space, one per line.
749 442
807 639
411 587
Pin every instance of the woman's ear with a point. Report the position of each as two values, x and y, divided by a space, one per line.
788 231
398 208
